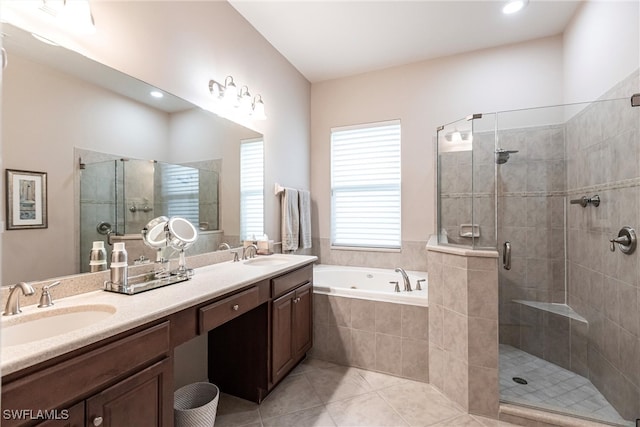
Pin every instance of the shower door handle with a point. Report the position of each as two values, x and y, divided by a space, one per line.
506 256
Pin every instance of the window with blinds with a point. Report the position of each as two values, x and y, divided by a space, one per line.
180 191
251 189
365 186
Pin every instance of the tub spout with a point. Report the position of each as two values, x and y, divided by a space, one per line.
405 278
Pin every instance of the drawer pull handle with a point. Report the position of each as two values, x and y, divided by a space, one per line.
235 307
97 421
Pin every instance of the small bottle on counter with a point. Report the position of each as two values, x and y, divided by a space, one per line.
98 257
119 266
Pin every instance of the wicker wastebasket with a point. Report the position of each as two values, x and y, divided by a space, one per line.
195 405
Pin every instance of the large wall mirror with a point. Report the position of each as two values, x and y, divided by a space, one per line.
76 120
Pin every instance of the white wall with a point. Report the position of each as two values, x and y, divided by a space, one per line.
601 48
423 96
180 45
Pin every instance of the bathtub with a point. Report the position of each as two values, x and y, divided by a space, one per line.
368 283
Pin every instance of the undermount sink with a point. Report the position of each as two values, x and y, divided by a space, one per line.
267 260
27 328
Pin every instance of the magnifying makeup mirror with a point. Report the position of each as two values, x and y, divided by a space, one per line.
180 235
154 236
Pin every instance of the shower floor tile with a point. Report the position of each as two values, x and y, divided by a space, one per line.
552 387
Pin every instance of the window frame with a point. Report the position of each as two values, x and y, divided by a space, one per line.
395 186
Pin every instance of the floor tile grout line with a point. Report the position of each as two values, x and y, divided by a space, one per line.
392 407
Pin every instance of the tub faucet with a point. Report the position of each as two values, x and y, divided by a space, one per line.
13 301
405 278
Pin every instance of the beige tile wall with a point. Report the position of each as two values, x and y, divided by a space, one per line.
463 329
379 336
412 256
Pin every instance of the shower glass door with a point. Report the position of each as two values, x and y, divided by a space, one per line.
566 343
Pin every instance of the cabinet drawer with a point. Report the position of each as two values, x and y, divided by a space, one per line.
85 374
229 308
283 284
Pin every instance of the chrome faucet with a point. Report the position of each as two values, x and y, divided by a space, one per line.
405 278
45 298
249 249
13 301
224 246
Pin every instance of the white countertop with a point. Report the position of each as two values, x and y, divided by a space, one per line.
135 310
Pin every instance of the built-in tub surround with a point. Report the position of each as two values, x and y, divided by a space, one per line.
412 255
463 326
366 328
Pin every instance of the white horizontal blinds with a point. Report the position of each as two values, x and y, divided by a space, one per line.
180 191
251 189
365 185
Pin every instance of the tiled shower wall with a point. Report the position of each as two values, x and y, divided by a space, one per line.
531 189
603 157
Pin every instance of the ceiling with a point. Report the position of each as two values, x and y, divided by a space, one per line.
332 39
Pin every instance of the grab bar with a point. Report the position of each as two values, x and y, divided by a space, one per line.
506 256
584 201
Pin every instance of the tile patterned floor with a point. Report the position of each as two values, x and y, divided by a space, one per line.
550 386
319 393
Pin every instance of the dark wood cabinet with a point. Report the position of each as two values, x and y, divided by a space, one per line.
257 334
72 417
137 401
302 323
282 337
291 331
248 356
108 372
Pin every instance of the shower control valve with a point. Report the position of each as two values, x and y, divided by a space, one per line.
626 241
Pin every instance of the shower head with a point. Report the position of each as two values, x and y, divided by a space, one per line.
503 155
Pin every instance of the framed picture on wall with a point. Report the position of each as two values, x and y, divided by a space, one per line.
26 199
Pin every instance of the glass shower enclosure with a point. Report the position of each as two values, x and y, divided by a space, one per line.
548 188
119 197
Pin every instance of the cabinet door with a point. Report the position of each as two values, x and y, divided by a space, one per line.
143 400
72 417
302 315
282 345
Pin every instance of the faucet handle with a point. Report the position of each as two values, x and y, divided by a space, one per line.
45 298
397 288
418 287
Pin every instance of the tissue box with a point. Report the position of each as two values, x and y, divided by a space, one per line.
265 247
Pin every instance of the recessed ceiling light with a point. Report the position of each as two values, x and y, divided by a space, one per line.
156 94
513 6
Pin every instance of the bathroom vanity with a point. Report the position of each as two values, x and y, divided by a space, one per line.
259 325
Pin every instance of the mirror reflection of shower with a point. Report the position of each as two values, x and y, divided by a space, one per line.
502 155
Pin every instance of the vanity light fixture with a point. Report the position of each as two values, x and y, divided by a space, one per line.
231 97
245 100
258 108
513 6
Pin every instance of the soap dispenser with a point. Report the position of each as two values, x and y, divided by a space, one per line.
119 266
98 257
